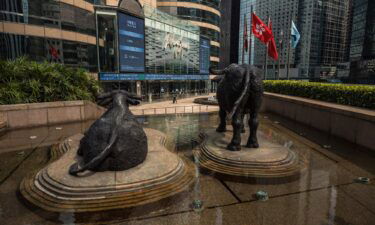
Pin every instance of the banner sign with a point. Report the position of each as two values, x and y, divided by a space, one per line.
124 76
25 10
204 56
131 43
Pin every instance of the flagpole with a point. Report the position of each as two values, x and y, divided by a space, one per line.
281 49
289 43
288 66
251 33
243 39
266 53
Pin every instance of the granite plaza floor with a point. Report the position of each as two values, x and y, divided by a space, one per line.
326 193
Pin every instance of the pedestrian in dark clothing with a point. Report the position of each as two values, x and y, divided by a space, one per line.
174 98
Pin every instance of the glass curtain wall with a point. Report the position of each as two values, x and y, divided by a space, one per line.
48 14
107 36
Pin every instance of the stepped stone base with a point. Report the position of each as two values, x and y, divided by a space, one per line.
270 160
162 175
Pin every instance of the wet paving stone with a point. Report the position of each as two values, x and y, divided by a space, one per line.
324 194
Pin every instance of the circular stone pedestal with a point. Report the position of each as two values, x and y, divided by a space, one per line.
270 160
161 175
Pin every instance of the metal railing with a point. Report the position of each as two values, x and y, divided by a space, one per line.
175 110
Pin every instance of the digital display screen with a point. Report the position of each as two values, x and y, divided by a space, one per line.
204 56
134 76
131 43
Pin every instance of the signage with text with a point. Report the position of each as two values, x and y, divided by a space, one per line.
122 76
131 43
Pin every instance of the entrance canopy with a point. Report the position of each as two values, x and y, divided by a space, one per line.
131 6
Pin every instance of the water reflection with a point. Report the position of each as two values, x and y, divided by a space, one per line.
325 194
67 218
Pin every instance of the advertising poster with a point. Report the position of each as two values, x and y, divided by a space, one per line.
131 43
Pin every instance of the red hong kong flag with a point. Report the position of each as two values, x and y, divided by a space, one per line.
261 30
272 50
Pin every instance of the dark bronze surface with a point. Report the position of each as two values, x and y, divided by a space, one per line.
239 92
116 141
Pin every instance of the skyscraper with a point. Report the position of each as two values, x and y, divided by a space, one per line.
206 14
323 25
362 49
229 32
281 13
324 36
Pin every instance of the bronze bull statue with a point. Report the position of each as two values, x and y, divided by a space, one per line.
116 141
239 92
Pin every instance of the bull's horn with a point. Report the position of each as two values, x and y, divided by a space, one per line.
217 72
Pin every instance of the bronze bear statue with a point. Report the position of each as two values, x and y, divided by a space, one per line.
239 92
114 142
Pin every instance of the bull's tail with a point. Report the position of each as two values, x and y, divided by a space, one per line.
244 91
75 168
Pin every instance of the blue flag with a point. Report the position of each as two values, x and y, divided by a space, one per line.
295 36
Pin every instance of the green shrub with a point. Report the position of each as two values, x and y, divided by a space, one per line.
354 95
24 81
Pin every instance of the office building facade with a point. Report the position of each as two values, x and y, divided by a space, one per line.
141 49
203 13
324 27
281 13
229 35
55 31
324 37
362 48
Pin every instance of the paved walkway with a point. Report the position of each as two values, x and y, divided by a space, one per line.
185 105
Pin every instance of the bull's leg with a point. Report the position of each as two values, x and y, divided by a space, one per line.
237 123
80 152
252 142
243 124
222 126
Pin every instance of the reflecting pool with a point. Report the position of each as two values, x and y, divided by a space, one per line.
327 192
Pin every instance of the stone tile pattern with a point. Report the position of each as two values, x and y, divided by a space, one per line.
48 113
162 175
271 160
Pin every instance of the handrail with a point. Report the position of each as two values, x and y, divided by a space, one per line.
174 110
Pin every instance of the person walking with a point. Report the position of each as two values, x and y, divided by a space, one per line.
174 98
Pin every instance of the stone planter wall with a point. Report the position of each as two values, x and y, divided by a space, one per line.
354 124
48 113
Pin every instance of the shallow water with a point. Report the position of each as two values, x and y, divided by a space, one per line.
326 192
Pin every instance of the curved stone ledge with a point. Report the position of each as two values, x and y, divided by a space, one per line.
271 160
205 101
162 175
350 123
